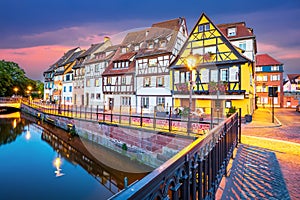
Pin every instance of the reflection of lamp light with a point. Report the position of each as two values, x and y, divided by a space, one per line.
15 123
28 135
57 164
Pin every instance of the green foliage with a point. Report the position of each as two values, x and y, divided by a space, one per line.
231 111
124 147
12 76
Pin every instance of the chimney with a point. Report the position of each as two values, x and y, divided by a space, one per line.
106 38
147 32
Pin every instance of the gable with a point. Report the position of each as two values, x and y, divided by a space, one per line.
209 46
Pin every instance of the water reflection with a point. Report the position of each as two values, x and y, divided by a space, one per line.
11 126
57 163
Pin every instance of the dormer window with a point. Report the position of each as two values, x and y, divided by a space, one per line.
124 50
150 45
136 47
231 31
162 43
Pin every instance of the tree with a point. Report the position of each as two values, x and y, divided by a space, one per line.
12 76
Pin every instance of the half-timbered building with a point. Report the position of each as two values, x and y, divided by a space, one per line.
96 67
92 72
161 45
220 75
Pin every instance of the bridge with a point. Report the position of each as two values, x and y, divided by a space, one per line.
8 105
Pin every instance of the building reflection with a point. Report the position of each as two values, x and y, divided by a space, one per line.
75 152
11 126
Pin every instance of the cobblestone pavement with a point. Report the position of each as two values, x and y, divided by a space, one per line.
279 144
255 174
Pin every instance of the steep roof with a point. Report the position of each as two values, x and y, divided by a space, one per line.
92 49
241 30
63 60
209 46
172 24
266 60
293 77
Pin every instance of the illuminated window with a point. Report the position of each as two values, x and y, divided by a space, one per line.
147 81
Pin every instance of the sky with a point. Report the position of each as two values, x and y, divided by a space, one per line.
36 33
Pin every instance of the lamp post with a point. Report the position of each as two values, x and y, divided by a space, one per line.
190 63
59 100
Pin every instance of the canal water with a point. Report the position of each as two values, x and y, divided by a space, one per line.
39 161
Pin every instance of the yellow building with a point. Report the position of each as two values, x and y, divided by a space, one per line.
220 75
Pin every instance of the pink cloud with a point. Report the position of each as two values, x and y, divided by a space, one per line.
279 52
34 60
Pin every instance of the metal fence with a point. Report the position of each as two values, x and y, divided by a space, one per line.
170 119
193 173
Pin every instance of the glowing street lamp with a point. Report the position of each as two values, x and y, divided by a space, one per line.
16 90
190 63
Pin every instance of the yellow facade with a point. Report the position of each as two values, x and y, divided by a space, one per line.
220 66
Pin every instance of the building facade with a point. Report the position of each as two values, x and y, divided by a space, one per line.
291 89
212 73
269 73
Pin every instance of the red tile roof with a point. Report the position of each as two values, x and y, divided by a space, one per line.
265 59
111 71
173 24
292 77
241 30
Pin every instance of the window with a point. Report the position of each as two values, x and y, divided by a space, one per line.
97 68
259 78
145 102
136 48
65 88
147 81
70 88
203 27
231 31
159 81
123 80
152 62
265 78
214 75
275 77
68 77
242 45
150 45
162 43
124 49
98 96
274 68
126 101
160 101
92 95
108 80
224 75
258 69
97 83
87 83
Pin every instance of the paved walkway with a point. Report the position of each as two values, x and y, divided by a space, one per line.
255 172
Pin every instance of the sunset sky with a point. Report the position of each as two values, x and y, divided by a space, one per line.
36 33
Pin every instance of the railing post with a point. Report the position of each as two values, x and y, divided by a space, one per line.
141 117
170 119
97 112
91 109
240 125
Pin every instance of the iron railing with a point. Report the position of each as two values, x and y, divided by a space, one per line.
193 173
162 121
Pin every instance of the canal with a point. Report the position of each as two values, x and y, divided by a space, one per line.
40 161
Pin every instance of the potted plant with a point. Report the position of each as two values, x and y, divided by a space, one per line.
231 111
